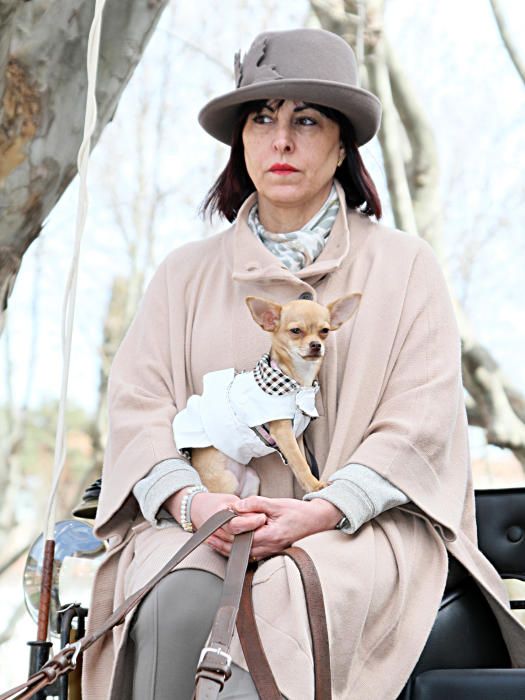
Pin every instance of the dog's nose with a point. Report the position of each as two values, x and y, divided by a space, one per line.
314 345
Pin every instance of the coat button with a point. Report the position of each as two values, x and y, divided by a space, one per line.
307 295
515 533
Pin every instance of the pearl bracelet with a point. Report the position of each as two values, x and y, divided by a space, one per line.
185 519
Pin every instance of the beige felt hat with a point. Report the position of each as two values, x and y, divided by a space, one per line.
313 65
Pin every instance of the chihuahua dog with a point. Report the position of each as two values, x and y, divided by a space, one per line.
283 383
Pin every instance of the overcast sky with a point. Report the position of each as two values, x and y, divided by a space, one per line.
463 79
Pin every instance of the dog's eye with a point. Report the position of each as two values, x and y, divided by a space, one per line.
295 330
324 330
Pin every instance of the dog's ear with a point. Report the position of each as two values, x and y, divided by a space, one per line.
265 312
342 309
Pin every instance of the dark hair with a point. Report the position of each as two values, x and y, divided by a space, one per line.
234 184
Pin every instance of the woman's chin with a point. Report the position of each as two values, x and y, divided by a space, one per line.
285 193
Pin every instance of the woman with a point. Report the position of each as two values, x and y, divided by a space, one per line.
392 439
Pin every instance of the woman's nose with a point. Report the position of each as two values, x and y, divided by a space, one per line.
283 141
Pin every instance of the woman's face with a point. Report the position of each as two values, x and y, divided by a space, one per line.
299 136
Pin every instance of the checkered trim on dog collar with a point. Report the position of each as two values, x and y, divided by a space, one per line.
272 380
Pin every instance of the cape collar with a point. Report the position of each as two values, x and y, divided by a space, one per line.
253 261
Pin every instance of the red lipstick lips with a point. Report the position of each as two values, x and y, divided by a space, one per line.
283 168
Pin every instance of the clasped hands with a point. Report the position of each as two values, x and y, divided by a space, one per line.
277 522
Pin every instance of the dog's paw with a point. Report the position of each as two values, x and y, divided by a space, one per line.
314 485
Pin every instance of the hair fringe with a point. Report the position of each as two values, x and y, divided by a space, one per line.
234 184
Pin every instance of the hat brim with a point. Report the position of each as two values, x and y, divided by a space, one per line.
362 107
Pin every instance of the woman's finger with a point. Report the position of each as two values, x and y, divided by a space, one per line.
263 552
255 504
245 523
217 544
258 553
224 534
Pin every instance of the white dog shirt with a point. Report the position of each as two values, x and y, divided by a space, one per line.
234 406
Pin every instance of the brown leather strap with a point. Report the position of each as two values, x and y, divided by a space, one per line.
213 523
317 617
251 644
215 664
252 647
65 660
61 663
39 681
214 667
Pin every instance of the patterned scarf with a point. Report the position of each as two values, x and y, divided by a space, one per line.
297 249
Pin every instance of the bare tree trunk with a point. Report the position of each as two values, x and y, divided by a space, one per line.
413 182
43 85
7 13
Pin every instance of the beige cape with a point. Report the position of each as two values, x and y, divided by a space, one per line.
391 398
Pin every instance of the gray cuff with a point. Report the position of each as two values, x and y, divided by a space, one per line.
360 493
164 479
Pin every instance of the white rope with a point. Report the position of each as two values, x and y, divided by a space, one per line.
68 309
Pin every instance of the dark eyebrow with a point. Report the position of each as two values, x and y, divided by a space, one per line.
299 108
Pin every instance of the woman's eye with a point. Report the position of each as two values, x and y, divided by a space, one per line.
295 330
308 119
302 121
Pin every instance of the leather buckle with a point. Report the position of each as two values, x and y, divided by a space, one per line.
75 646
215 659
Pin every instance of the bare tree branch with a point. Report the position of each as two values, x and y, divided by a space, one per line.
199 49
16 417
422 168
507 39
390 136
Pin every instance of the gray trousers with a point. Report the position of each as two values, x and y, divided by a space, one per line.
168 632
